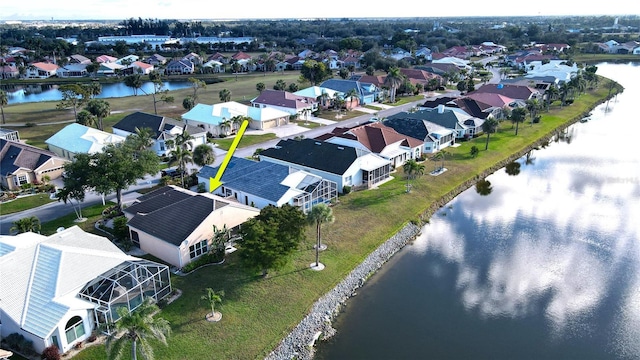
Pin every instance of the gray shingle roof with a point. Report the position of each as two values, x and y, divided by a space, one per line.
315 154
175 222
158 124
157 199
262 179
15 155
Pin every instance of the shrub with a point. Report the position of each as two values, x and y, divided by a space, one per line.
30 124
92 338
120 229
50 353
346 189
19 343
202 188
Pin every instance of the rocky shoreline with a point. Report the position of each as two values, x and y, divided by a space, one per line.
299 344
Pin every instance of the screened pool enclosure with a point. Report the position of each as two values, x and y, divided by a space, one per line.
126 286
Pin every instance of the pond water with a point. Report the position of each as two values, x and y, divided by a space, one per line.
540 264
47 92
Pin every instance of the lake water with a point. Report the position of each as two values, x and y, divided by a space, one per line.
547 266
35 93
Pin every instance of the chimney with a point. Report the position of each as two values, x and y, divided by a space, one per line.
440 109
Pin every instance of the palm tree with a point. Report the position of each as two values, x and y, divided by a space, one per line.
225 125
236 121
87 119
28 224
142 139
203 155
489 126
225 95
533 105
412 168
133 81
517 116
136 327
182 152
3 102
100 109
352 93
393 81
319 214
212 298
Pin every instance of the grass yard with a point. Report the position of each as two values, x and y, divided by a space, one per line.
258 313
92 213
24 203
247 140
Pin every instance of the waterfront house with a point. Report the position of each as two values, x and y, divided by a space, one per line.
433 136
516 92
9 72
72 70
79 59
60 289
344 165
24 164
79 139
463 125
40 70
379 139
176 225
179 67
164 129
109 69
263 183
216 119
106 59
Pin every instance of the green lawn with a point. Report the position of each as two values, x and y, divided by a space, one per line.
92 213
247 140
24 203
258 312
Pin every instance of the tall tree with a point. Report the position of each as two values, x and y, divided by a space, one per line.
212 298
134 81
137 327
196 85
320 214
100 109
533 106
182 153
260 87
269 239
4 101
315 72
159 94
203 155
187 103
142 139
73 95
225 95
517 116
118 167
93 89
489 126
87 119
393 81
411 169
27 224
77 175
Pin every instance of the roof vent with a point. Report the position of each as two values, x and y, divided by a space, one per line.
340 148
318 143
60 229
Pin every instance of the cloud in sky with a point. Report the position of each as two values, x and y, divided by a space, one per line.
253 9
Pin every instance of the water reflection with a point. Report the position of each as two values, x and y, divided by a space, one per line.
483 187
512 168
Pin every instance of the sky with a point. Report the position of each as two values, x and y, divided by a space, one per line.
254 9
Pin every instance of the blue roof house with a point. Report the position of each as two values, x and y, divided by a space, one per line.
263 183
79 139
367 93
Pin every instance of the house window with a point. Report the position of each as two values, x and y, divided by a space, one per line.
135 237
198 249
347 180
74 329
21 180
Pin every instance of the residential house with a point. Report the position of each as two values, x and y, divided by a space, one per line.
324 96
60 289
72 70
427 79
176 225
109 69
463 52
79 139
9 72
365 92
439 68
298 106
463 125
352 58
516 92
127 60
179 67
23 164
213 66
434 136
344 165
425 53
264 183
79 59
240 56
491 48
459 63
156 59
138 67
377 80
379 139
479 109
216 118
218 57
11 135
306 53
40 70
294 63
557 69
194 58
164 129
106 59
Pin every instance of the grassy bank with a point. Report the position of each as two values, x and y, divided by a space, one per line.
258 312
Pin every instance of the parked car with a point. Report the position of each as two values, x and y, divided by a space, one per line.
172 173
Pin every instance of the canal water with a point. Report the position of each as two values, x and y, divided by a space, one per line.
47 92
540 263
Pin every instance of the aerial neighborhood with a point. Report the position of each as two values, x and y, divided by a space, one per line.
369 117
